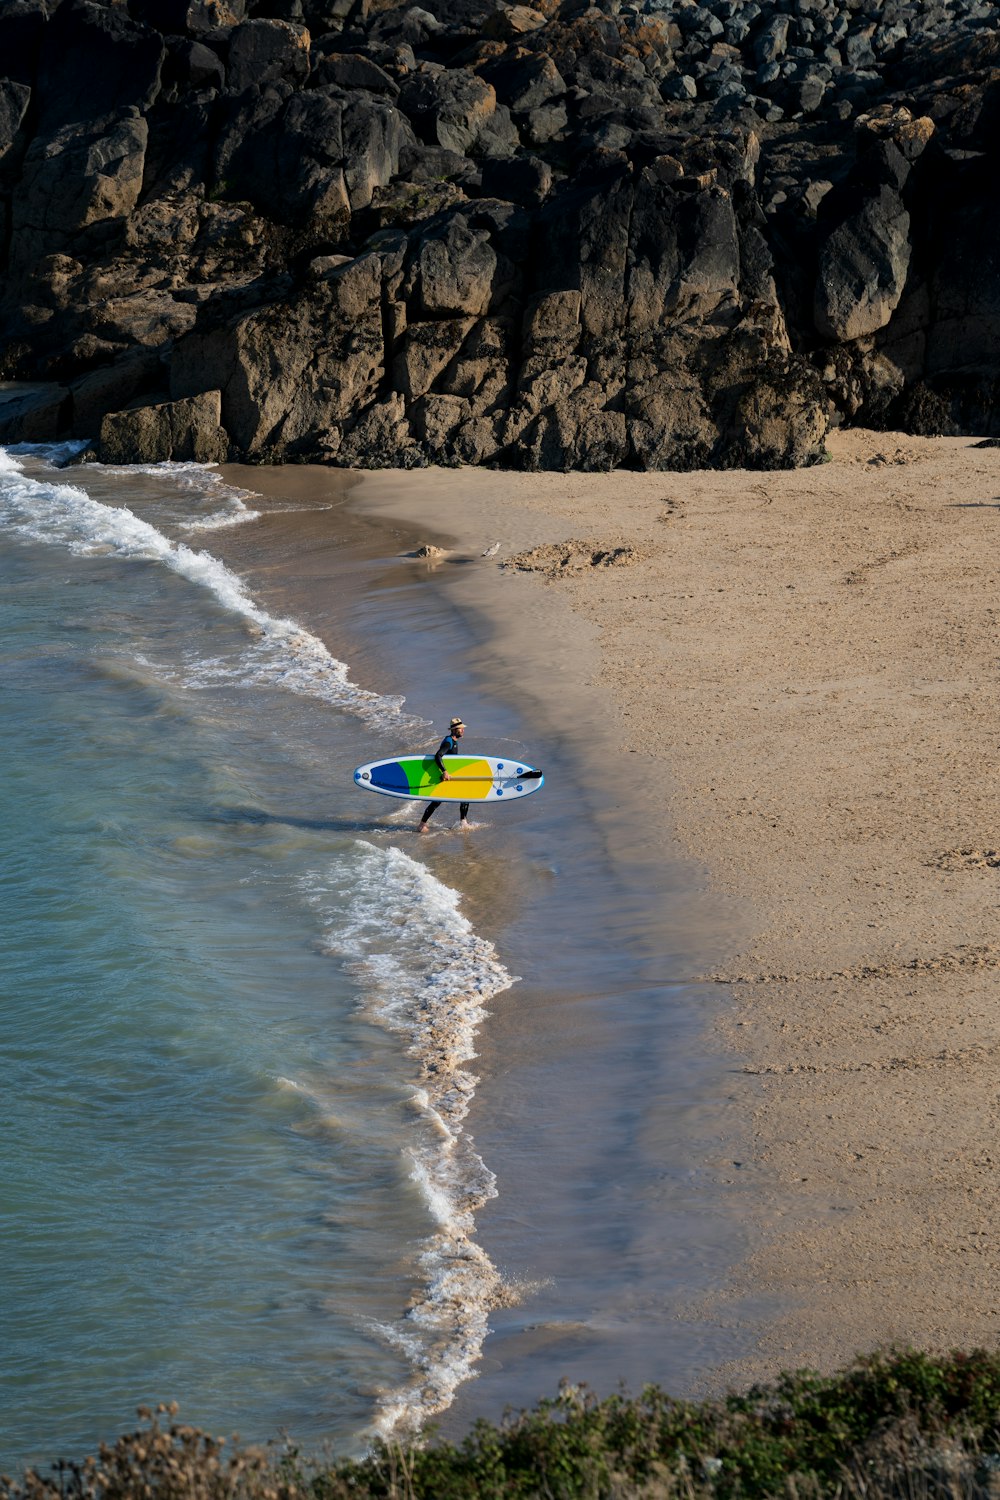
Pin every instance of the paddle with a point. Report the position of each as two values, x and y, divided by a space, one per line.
522 776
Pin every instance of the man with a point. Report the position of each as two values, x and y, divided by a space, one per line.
448 746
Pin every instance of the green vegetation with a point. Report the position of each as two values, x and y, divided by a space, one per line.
904 1425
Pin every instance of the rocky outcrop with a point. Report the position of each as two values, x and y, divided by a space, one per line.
642 233
190 429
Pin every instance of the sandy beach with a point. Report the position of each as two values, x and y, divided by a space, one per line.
792 680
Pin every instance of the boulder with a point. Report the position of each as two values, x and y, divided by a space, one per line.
862 269
420 163
771 41
546 123
95 62
178 155
553 319
481 372
512 22
109 389
435 420
669 423
32 414
426 350
288 154
578 432
351 70
75 178
456 270
525 179
192 65
374 132
381 438
448 109
187 430
684 254
525 83
264 51
546 379
294 373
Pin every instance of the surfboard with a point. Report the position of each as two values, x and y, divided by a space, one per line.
472 778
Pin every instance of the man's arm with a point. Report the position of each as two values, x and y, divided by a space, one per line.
445 748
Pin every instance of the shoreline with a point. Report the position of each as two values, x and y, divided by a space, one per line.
795 669
815 652
594 1070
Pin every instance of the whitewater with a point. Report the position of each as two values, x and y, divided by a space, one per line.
240 1019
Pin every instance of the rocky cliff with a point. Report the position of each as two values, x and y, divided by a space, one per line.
643 233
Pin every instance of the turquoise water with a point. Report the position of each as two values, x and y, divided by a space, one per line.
235 1013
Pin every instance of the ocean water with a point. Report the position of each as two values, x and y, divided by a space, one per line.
238 1017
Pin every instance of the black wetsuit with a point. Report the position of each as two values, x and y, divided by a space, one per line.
448 746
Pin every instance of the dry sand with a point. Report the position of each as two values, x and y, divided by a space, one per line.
797 674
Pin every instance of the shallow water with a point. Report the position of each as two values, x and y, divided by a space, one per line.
231 1176
243 1001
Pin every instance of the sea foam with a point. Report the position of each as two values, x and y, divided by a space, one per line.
423 970
282 653
426 974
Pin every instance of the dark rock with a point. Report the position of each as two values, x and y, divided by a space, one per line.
435 420
278 10
857 48
448 109
374 133
546 123
679 86
578 432
109 389
177 151
513 22
414 27
95 62
192 65
771 41
342 232
862 269
266 51
426 351
419 163
294 374
199 18
684 254
524 180
34 414
187 430
806 94
329 16
14 100
455 270
295 155
72 179
22 24
350 70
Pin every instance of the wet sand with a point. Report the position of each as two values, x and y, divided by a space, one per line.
598 1099
768 710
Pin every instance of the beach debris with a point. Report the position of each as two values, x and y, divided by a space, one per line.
560 559
966 859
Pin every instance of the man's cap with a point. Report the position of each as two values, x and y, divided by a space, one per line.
457 724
